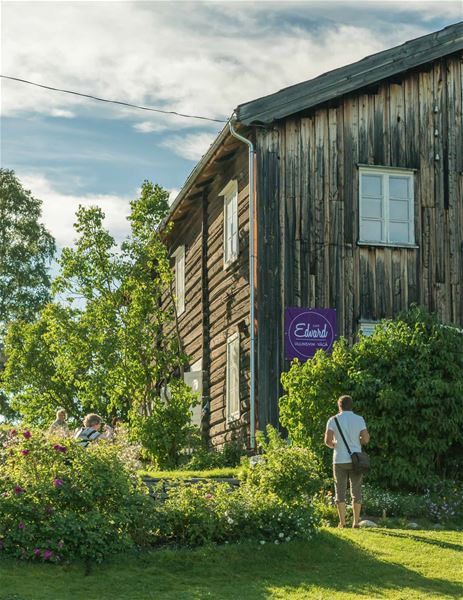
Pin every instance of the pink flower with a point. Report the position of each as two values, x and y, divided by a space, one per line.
12 432
57 483
25 452
37 552
60 448
18 489
47 554
27 434
21 525
209 496
49 510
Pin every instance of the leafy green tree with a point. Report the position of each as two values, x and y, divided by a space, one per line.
26 250
102 344
407 380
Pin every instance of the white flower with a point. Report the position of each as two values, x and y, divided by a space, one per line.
281 535
281 514
262 542
277 542
230 521
246 515
288 539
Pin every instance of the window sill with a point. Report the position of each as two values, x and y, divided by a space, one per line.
233 418
230 263
389 245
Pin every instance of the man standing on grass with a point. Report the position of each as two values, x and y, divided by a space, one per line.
356 434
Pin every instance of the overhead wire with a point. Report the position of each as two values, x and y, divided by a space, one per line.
119 102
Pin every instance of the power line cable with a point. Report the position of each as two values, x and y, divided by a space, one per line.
157 110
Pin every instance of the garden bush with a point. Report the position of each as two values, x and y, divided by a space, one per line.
210 458
205 512
61 502
406 380
287 471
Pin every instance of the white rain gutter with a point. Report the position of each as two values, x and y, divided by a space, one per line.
252 193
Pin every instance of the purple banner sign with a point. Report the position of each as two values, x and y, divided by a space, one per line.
308 330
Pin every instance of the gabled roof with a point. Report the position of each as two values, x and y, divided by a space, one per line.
365 72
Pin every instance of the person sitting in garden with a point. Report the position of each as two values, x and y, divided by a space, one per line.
91 431
356 434
60 426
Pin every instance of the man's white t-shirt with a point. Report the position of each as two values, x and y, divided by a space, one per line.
351 425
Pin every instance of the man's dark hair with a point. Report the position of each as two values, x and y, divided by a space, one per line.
345 402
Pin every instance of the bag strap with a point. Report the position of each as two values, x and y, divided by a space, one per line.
342 435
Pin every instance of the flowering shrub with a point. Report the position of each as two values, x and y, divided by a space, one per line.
196 514
442 503
60 502
285 470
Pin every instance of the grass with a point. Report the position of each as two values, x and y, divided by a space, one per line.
337 564
209 473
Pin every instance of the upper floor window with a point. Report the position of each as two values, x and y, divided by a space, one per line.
233 377
386 206
179 256
230 224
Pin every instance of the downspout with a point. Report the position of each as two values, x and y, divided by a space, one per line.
252 193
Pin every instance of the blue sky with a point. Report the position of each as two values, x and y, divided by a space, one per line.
194 57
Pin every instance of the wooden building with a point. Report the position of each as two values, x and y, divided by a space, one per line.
358 206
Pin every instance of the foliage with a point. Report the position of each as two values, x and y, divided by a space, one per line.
284 470
406 380
111 351
165 432
61 502
26 249
440 503
211 458
205 512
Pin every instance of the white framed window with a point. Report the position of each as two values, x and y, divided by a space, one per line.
367 327
179 256
233 377
230 222
386 206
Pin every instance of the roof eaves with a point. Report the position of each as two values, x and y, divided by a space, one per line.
195 173
338 82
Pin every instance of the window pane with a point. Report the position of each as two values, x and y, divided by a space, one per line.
398 187
398 210
371 231
371 207
372 185
398 232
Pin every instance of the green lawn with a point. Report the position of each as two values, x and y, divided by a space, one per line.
224 472
337 564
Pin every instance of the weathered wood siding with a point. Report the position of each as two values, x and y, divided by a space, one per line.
228 293
308 211
216 299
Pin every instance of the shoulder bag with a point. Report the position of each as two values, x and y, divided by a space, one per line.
360 460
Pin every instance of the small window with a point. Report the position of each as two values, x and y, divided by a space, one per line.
233 377
386 206
230 225
367 327
179 256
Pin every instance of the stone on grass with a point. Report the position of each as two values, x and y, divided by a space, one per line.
412 525
367 523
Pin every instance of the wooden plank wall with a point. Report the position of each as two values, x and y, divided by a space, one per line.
228 292
216 300
308 198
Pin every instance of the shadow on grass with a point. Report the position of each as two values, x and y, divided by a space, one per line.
327 565
418 538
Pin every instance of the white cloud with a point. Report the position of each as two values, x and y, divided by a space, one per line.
192 146
193 57
64 114
58 209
